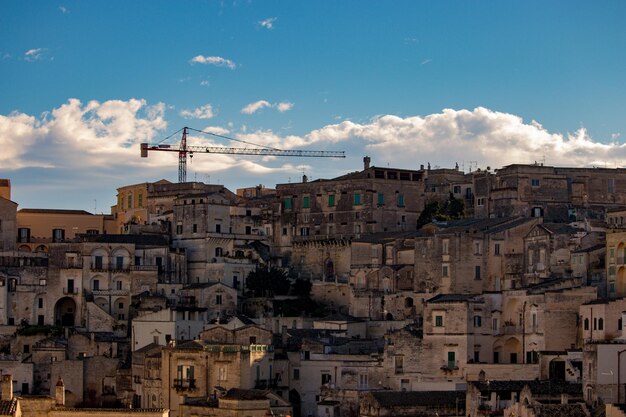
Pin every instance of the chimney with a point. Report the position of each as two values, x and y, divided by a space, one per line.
59 392
304 178
366 162
7 388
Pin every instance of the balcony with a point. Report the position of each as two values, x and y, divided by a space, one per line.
99 267
106 293
450 366
187 384
72 264
147 268
511 329
70 291
266 383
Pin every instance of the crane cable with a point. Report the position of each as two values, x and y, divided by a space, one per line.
233 139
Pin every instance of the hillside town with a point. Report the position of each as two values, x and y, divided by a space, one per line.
387 291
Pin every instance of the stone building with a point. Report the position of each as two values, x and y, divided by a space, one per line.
471 256
413 403
616 262
36 228
548 248
8 217
555 193
220 236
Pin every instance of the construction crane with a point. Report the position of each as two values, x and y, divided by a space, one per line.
184 150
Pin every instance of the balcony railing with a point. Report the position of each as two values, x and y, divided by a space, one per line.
70 291
187 384
70 264
266 383
450 366
145 268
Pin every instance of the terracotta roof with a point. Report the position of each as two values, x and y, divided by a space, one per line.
55 211
418 398
8 407
451 298
245 394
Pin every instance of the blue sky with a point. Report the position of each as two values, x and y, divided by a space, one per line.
405 82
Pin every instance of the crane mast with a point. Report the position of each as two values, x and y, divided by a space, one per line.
184 150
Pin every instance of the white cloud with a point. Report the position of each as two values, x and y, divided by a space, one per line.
34 54
205 83
256 106
64 9
268 23
426 61
218 61
284 106
202 112
82 136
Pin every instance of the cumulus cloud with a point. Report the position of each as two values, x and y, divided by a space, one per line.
258 105
35 54
64 9
218 61
202 112
268 23
80 135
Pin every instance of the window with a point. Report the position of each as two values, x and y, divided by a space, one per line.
195 228
480 201
179 229
438 321
331 200
494 324
218 299
456 189
451 360
284 231
24 234
40 320
381 199
399 364
331 217
306 201
476 356
118 285
296 373
130 200
478 247
362 380
218 228
326 378
478 321
120 306
58 235
477 272
445 244
40 302
185 377
400 200
611 185
496 249
222 375
445 271
357 199
140 204
304 231
534 182
42 281
600 323
26 349
287 203
119 263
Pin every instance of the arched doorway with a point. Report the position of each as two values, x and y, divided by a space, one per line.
557 369
64 312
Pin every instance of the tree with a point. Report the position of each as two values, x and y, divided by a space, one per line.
453 208
263 282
